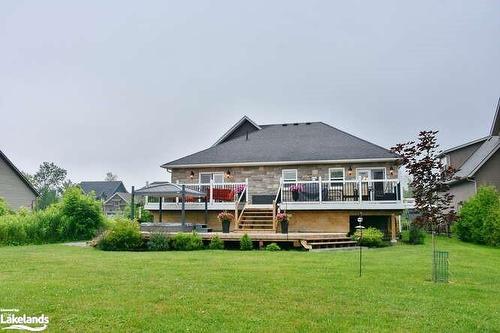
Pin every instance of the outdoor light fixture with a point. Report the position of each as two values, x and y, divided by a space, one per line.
191 175
349 171
391 170
228 173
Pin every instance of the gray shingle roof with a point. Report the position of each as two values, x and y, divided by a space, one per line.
309 142
103 189
167 189
478 158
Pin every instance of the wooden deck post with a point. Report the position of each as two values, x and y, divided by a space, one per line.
393 228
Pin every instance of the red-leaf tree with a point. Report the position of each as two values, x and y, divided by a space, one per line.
429 180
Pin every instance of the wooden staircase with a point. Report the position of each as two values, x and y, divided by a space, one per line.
329 243
256 219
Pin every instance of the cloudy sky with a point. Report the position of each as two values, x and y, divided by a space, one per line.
98 86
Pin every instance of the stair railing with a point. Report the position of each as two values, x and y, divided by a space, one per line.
237 217
276 201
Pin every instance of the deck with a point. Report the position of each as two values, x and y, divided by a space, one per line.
306 240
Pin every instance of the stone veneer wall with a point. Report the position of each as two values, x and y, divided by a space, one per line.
265 179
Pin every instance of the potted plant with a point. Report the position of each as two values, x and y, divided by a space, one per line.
296 189
225 218
283 220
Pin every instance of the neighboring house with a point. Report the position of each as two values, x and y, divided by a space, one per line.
321 175
106 192
477 163
14 187
117 203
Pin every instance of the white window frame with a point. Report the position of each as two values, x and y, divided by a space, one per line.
212 174
336 169
289 170
370 170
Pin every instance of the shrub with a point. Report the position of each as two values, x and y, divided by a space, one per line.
75 217
146 215
124 235
372 237
414 235
186 242
273 247
82 213
479 218
246 243
158 242
216 243
12 231
4 208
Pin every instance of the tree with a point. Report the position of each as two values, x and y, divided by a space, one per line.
429 181
49 177
50 181
110 177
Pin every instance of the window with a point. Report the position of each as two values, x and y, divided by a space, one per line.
336 174
370 173
364 174
289 175
206 177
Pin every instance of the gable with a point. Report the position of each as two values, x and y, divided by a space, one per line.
14 187
478 158
243 127
495 127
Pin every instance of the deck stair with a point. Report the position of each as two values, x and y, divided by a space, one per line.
329 243
256 219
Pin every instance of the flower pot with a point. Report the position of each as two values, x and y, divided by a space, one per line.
225 226
295 196
284 227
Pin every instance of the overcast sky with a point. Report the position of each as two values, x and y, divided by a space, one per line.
115 85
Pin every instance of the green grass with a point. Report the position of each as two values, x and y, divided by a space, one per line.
87 290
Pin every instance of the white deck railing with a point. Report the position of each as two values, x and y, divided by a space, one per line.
318 191
216 193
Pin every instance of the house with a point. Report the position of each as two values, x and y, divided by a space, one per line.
477 163
14 187
117 203
326 178
113 194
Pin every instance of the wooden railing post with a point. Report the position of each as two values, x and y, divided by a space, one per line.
274 215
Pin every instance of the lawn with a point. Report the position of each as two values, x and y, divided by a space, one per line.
87 290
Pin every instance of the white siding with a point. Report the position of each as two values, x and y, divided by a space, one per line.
13 189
